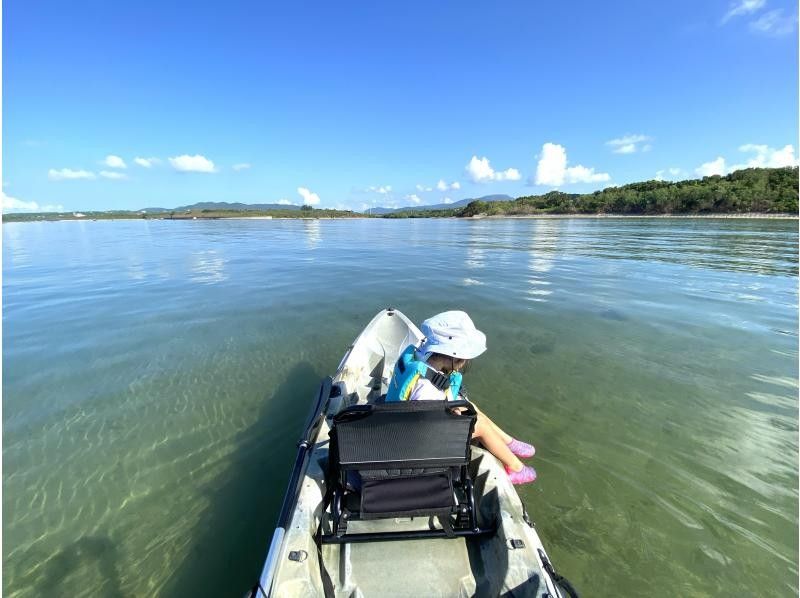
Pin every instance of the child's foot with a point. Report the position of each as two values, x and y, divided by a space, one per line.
521 449
526 475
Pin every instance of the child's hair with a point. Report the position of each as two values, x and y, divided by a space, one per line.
446 363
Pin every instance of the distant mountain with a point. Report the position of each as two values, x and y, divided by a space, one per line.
439 206
380 211
223 205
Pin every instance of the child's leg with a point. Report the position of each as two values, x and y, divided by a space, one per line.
489 436
506 438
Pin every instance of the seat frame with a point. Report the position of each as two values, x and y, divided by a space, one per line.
461 521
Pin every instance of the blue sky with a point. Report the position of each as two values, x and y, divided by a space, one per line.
360 104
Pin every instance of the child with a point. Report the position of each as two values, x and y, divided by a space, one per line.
433 372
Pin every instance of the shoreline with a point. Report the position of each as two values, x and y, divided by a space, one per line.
742 216
728 216
735 216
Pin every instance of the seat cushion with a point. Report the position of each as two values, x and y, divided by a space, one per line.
421 493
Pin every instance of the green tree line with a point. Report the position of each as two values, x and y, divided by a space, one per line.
752 190
757 190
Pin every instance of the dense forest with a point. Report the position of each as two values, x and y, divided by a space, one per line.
752 190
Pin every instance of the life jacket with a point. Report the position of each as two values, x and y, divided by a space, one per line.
407 372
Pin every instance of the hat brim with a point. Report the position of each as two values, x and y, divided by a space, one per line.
470 349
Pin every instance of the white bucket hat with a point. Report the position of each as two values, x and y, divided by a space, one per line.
452 333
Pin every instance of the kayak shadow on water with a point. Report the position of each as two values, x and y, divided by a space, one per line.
230 543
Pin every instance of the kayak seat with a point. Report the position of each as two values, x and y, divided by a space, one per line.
401 459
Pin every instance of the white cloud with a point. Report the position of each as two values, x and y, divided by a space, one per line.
552 169
68 174
661 175
414 198
242 166
146 162
196 163
12 204
423 188
383 190
712 168
766 157
774 23
742 7
762 156
448 200
480 171
673 172
582 174
113 161
284 202
552 166
110 174
309 198
629 144
443 186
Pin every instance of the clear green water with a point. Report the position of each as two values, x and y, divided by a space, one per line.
156 376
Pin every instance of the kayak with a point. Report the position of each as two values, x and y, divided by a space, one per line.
315 553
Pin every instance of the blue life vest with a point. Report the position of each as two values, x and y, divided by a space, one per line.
407 372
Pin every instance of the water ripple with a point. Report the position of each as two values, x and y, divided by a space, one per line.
156 375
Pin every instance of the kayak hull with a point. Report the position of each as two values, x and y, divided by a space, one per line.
508 561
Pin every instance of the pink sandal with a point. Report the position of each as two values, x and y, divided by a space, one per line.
526 475
521 449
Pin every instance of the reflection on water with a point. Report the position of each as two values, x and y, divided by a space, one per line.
652 362
14 244
313 233
544 238
476 240
721 245
208 267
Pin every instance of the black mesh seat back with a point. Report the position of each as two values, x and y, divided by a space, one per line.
414 434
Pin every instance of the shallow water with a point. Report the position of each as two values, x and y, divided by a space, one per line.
156 375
